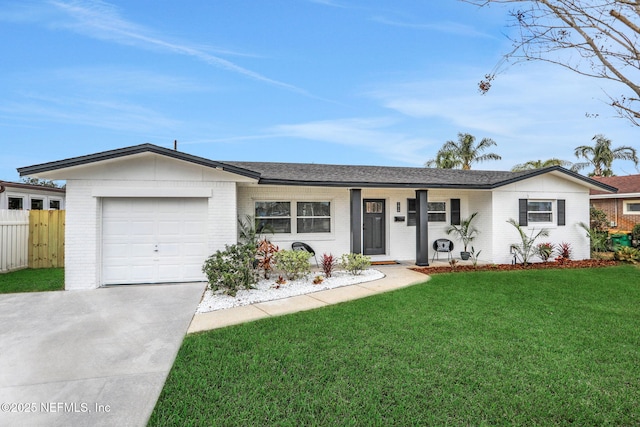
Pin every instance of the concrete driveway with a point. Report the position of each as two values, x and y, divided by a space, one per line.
97 357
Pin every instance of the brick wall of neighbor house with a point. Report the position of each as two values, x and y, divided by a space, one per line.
614 208
546 187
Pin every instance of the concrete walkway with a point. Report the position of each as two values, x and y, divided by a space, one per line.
396 277
90 358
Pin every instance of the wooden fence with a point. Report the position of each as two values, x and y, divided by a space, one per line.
46 239
14 238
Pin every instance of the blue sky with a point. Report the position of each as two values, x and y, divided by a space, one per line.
319 81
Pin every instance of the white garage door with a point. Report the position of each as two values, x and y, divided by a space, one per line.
148 240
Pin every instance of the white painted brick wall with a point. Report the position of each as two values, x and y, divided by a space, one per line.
505 206
81 237
336 242
83 223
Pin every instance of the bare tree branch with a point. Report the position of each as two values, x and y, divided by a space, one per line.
594 38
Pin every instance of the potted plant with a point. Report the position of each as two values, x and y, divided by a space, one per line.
466 232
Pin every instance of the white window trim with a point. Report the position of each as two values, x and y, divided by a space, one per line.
55 199
18 196
293 217
553 211
626 211
447 209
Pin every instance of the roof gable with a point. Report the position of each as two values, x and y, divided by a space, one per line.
130 151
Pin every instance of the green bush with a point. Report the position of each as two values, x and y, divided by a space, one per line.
627 254
355 263
294 264
231 269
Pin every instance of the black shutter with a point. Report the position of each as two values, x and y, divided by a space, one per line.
561 212
455 211
522 219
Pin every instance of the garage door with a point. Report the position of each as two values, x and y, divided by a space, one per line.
152 240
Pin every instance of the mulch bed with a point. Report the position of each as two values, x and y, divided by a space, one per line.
587 263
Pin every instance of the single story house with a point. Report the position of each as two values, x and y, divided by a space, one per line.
622 207
148 214
21 196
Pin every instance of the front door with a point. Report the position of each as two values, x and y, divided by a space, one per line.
373 232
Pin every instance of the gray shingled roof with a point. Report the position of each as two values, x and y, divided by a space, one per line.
328 175
378 176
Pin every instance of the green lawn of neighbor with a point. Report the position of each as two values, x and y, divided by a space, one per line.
32 280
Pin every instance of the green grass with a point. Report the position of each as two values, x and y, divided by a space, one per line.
545 347
32 280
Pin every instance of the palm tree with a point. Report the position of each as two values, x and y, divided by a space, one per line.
601 156
539 164
463 153
443 160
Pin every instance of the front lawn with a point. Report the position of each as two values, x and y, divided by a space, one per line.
541 347
32 280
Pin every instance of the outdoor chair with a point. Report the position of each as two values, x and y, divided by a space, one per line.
442 245
300 246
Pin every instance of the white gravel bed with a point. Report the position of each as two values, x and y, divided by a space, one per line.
268 290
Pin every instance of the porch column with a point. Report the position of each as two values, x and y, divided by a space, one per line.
422 228
356 220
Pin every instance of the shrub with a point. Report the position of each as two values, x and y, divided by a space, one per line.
526 248
597 238
564 252
264 256
544 250
355 263
329 263
294 264
231 269
627 254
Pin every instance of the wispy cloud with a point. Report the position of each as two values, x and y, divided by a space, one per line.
375 134
103 21
447 27
125 80
331 3
114 115
531 113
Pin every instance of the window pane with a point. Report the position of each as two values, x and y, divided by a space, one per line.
437 216
633 207
314 209
411 212
15 203
54 204
540 217
276 225
37 204
436 206
273 209
373 207
314 225
539 206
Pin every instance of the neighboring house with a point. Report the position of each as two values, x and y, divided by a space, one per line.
20 196
623 207
147 214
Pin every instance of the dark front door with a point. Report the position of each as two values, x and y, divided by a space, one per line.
373 232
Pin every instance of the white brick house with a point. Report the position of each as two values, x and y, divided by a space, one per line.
147 214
